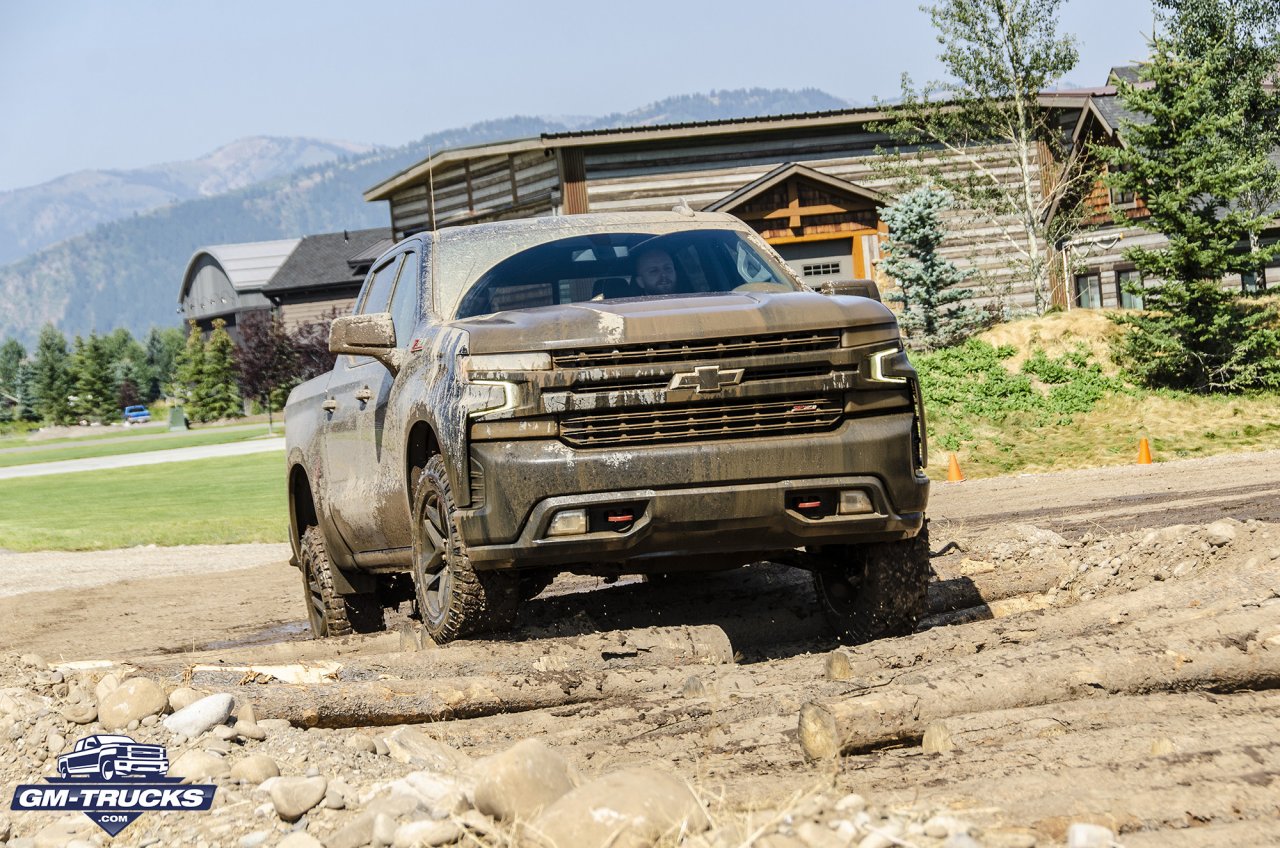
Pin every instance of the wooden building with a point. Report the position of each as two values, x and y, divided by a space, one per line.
323 275
306 279
808 183
1093 262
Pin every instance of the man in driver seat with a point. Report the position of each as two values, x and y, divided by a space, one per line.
655 272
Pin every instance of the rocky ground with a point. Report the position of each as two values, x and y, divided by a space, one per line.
1092 688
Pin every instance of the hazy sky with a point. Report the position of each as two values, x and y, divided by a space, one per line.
126 83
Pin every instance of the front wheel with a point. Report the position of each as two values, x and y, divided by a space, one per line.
329 612
876 590
454 599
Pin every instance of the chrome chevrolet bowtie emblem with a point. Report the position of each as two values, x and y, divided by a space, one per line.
707 378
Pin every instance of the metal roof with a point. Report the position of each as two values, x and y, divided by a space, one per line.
249 265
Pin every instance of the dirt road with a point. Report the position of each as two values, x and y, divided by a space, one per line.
1077 668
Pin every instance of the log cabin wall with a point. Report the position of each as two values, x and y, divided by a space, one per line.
606 172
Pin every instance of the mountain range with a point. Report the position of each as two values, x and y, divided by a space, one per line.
111 246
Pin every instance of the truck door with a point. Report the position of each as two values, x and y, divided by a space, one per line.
356 455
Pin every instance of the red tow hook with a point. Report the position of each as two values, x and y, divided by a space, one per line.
619 520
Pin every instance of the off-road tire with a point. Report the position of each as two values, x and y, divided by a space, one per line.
329 612
876 590
453 598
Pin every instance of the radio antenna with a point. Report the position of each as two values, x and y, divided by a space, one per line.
431 189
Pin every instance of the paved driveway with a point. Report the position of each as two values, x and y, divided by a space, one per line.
150 458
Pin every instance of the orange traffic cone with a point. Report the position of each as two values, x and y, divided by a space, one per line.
954 474
1144 451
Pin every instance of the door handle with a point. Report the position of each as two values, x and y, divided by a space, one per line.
329 405
363 394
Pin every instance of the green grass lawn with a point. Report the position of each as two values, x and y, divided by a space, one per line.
90 448
205 502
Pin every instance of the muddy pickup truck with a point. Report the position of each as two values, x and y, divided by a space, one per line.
605 394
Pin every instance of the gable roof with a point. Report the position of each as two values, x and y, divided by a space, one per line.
323 261
249 265
784 172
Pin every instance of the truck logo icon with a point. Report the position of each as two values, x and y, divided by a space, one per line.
706 378
113 780
109 757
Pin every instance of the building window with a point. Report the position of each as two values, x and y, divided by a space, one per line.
1126 280
1250 284
820 269
1088 293
1122 199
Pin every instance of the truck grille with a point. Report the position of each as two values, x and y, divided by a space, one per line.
735 347
697 422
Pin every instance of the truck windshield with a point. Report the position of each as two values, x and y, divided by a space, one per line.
619 266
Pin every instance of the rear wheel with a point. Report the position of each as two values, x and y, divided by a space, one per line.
329 612
454 599
876 590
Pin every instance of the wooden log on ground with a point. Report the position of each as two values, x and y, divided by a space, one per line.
652 646
1228 652
1160 606
390 702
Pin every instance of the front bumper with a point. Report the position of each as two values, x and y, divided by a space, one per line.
694 498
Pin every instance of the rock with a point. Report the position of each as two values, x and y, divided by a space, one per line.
249 730
33 661
62 831
130 702
626 809
384 830
440 795
300 840
1220 533
937 739
55 742
814 835
334 799
255 769
851 803
410 745
380 746
355 834
82 713
202 716
360 742
104 687
693 688
183 697
198 765
882 835
940 827
779 840
521 781
253 840
961 840
1161 746
4 830
271 725
1081 835
426 833
245 713
293 796
224 732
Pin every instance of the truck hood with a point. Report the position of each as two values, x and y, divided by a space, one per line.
669 319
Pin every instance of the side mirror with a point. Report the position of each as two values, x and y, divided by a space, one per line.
366 335
855 288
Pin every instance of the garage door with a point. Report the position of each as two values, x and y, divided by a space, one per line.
819 261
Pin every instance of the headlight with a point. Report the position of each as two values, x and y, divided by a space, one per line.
502 363
488 397
889 366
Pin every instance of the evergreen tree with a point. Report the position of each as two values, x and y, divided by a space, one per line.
26 393
928 282
163 348
94 387
52 376
999 55
1198 182
221 397
189 377
12 354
